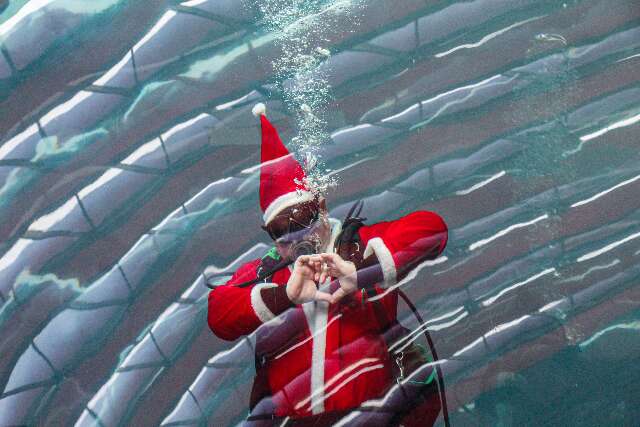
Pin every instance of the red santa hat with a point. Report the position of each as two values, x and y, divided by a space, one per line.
281 176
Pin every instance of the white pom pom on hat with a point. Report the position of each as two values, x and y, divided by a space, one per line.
259 109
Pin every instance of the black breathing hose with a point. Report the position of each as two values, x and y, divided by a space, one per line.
299 249
282 264
443 397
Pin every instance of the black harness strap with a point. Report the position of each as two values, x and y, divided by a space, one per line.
261 276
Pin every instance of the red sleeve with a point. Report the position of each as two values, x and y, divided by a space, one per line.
402 244
234 311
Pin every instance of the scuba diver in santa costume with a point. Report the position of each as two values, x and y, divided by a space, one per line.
322 302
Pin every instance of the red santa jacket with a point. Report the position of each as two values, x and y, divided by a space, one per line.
317 357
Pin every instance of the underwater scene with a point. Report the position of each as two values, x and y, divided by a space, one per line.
135 195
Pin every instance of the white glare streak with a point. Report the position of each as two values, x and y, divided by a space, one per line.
230 104
507 230
193 3
316 334
622 123
467 347
220 355
607 248
450 323
104 179
350 129
602 193
506 325
252 169
462 100
366 159
353 377
445 316
161 23
442 95
628 57
481 184
491 300
212 270
487 37
66 107
633 326
142 151
412 275
420 327
113 70
25 11
102 393
347 420
17 140
551 305
168 134
207 188
581 277
47 221
417 333
586 138
12 254
336 378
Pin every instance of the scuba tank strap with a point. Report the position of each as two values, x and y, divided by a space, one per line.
270 263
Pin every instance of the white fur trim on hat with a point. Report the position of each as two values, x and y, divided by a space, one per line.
257 303
377 246
285 201
259 109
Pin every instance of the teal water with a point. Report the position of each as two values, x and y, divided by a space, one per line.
128 177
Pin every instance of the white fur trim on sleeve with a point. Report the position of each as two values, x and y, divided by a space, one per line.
259 109
257 303
377 246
